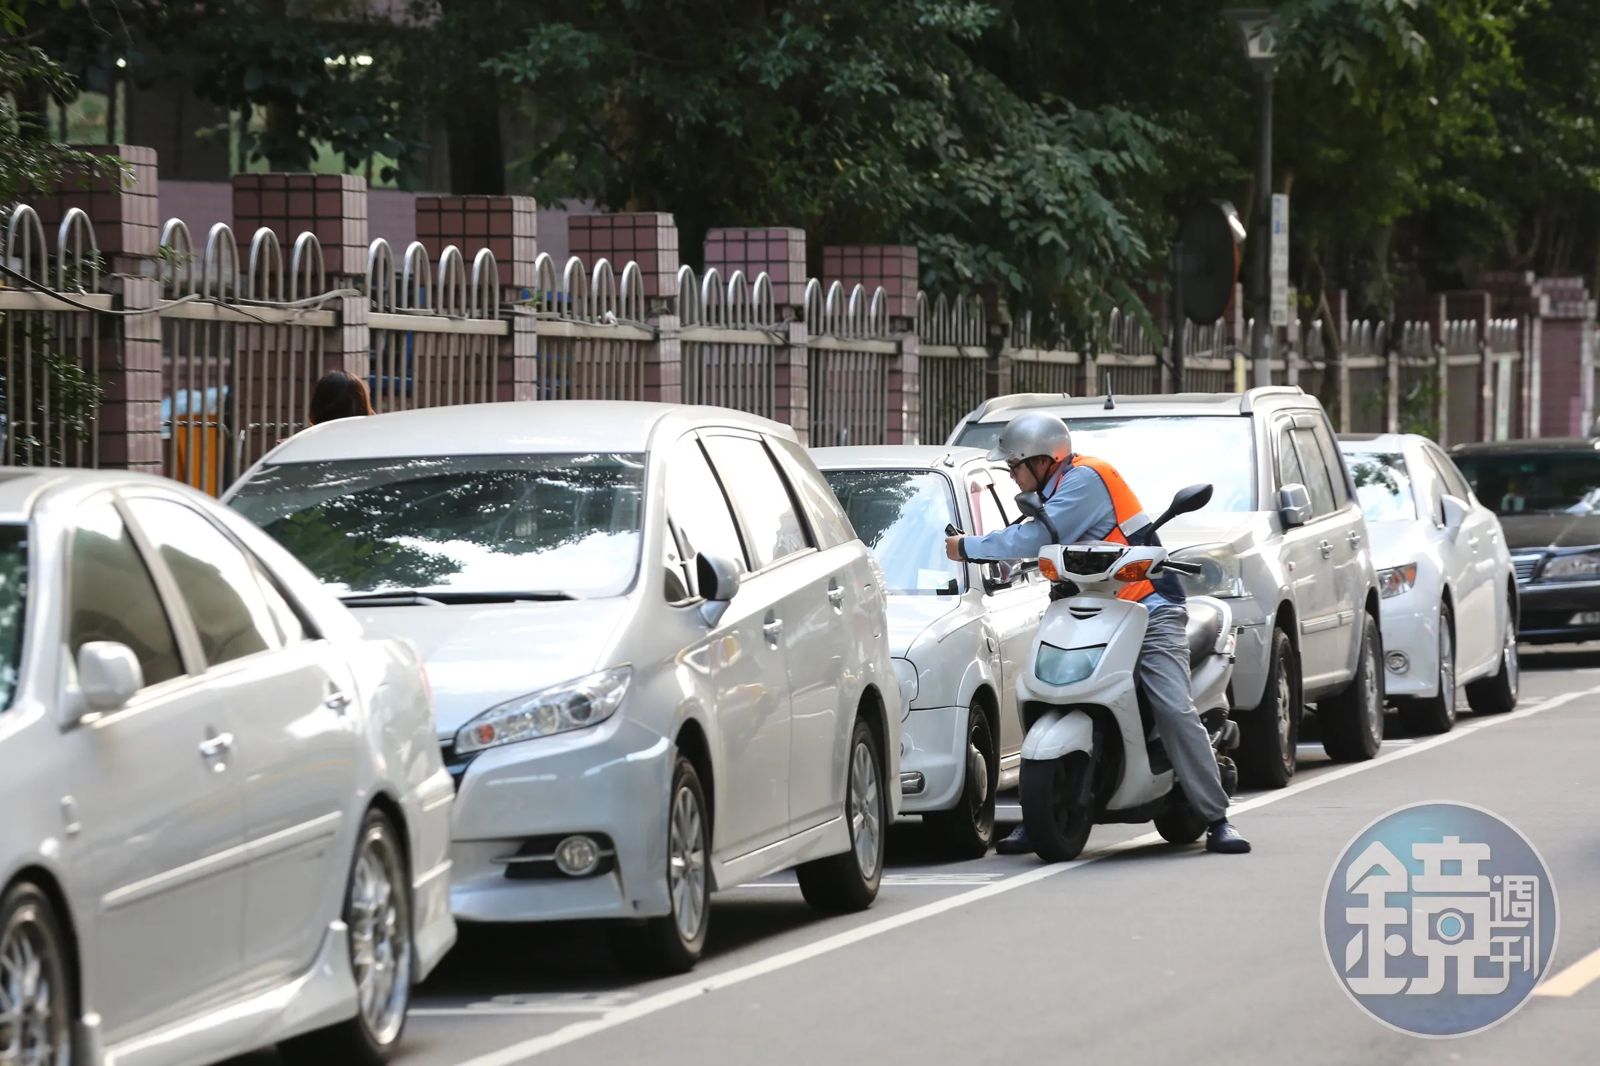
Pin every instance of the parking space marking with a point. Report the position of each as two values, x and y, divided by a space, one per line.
524 1050
1573 979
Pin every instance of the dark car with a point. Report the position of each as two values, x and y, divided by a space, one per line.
1547 494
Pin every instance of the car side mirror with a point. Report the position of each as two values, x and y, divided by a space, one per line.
1030 504
109 675
998 575
1455 514
1294 506
719 583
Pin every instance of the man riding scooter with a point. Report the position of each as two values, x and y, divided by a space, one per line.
1086 499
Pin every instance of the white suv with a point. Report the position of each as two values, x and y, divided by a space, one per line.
1283 540
659 654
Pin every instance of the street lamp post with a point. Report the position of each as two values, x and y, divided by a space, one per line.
1258 29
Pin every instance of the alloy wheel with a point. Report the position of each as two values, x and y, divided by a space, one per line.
686 869
34 1028
1447 673
380 936
866 818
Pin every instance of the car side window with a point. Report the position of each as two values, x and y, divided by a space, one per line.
767 514
1455 484
218 583
1333 461
111 595
985 507
1316 470
698 519
829 524
1289 470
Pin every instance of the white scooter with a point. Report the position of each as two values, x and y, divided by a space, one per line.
1090 752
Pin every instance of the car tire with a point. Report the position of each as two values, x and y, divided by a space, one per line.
31 935
840 884
1058 804
674 942
1498 694
966 831
1436 713
1352 721
1270 735
377 913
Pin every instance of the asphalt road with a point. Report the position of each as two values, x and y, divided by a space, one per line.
1140 952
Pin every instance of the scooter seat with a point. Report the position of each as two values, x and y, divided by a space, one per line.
1203 630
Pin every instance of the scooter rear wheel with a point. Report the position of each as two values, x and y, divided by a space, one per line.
1057 805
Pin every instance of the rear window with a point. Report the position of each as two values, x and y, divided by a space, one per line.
1383 485
13 606
1535 483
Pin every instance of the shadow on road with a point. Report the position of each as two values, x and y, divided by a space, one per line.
1586 657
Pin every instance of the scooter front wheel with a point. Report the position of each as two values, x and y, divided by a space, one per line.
1058 804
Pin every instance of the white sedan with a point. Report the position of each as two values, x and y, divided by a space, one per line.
1449 594
659 653
226 825
960 631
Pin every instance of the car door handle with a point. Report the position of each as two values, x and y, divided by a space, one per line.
216 745
836 596
1355 539
773 628
1326 547
336 700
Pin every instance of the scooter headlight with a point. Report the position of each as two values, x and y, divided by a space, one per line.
1067 666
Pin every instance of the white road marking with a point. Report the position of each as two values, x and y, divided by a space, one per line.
1573 979
695 988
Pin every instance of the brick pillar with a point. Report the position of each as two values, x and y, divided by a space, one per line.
333 208
126 216
650 239
777 251
791 380
509 227
893 267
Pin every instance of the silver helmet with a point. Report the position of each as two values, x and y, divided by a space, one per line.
1032 434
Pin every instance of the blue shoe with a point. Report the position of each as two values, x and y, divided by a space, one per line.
1015 844
1224 839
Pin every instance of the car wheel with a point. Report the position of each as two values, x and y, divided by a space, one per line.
1058 804
966 831
849 882
1437 713
674 942
1498 694
36 1008
377 914
1270 734
1352 721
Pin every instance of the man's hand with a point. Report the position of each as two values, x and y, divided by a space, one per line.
952 548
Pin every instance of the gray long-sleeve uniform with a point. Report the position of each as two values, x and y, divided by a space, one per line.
1079 506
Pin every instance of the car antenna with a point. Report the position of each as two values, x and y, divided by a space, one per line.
1110 404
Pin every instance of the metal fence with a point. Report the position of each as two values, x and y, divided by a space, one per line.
51 348
243 333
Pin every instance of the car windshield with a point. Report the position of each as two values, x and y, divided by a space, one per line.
1159 455
1383 485
901 515
1535 483
13 606
473 524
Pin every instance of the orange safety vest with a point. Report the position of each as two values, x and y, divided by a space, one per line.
1125 506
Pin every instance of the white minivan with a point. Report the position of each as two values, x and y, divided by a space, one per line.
659 653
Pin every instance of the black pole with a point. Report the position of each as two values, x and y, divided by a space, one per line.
1179 321
1261 276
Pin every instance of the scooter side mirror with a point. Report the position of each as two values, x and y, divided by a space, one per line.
1030 504
1184 501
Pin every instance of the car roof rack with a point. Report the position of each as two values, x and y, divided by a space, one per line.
1248 400
1015 400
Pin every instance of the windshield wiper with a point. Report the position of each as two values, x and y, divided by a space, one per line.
417 598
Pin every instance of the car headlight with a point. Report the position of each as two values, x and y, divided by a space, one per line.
906 671
1397 579
1577 566
560 709
1067 666
1221 571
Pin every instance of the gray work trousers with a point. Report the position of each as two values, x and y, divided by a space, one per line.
1164 673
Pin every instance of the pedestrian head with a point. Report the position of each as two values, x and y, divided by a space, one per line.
339 395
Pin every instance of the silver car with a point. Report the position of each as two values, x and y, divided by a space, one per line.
226 824
659 653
